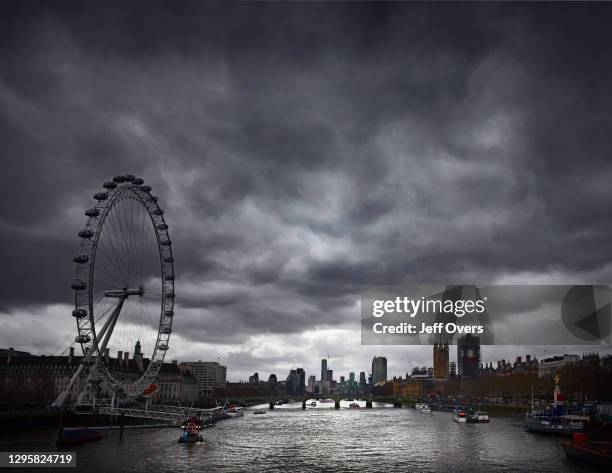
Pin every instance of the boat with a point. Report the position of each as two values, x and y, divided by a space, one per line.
459 416
327 401
354 405
191 432
313 404
78 435
594 452
420 405
549 423
235 411
425 409
556 420
478 417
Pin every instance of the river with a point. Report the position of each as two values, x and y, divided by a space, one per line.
346 440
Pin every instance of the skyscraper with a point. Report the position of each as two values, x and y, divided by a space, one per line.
362 379
468 355
440 359
379 369
323 369
301 381
311 383
352 376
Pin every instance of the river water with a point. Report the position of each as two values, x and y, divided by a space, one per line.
345 440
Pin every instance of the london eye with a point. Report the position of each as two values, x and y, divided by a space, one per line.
123 289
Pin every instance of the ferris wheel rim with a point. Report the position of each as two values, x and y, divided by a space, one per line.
85 263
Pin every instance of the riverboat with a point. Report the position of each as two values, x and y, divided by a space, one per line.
235 411
593 452
459 416
78 435
191 432
478 417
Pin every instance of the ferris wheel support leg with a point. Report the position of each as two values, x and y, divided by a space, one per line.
61 399
108 328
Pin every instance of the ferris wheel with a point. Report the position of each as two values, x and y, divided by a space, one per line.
123 290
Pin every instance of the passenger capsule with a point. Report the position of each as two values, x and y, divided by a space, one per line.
166 242
130 177
81 259
168 259
146 188
92 212
157 211
166 330
170 295
110 185
119 179
154 198
162 226
163 347
78 313
87 233
99 196
82 339
169 277
138 182
78 285
169 313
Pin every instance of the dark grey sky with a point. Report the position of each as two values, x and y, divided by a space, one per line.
300 151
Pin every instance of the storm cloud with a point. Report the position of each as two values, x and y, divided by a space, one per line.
301 151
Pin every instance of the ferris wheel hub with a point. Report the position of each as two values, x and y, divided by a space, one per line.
124 293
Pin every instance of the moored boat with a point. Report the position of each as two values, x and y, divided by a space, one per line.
426 409
478 417
78 435
592 452
548 423
459 416
354 405
235 411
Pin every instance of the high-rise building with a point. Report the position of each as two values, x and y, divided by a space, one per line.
311 383
440 359
296 381
352 376
272 382
301 381
292 382
208 375
330 375
468 355
379 369
323 369
362 379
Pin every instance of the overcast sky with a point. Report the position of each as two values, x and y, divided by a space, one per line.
301 151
